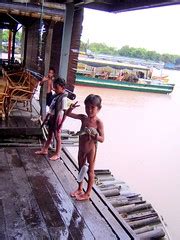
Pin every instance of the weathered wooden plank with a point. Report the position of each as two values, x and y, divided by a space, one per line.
11 131
19 123
105 178
122 230
111 192
153 234
23 119
141 215
2 222
118 202
53 218
144 222
143 229
30 123
102 172
20 120
29 209
61 216
91 216
109 188
8 123
133 207
15 225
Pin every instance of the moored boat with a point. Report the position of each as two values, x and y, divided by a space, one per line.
156 88
107 74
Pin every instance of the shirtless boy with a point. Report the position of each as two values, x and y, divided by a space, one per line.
49 79
88 142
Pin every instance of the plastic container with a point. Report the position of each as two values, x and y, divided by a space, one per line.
83 172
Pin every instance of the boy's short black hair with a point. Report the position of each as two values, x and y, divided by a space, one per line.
93 100
59 81
52 69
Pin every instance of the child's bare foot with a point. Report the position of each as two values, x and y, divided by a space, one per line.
54 157
76 193
83 197
41 152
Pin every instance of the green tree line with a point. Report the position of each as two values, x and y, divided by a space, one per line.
126 51
5 36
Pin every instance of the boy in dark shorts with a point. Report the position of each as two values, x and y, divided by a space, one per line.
56 117
49 80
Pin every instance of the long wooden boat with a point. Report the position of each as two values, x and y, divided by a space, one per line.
104 83
89 72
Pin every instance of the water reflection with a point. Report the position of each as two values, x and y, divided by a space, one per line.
142 144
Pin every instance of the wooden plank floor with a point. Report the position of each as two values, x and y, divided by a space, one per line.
35 201
21 123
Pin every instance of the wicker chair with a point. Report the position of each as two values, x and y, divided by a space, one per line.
3 95
22 95
17 79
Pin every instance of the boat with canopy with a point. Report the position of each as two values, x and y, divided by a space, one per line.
118 75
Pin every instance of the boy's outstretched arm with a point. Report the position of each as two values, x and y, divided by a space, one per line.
73 115
43 80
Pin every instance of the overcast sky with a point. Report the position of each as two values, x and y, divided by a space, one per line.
154 29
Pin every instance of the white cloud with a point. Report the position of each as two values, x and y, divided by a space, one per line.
154 28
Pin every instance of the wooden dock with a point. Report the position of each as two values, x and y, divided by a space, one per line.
35 201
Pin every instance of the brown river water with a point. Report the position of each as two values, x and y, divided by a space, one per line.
142 139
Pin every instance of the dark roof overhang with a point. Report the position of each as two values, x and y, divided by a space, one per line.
12 14
121 5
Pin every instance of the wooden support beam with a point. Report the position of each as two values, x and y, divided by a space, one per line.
17 8
9 45
1 32
13 45
66 41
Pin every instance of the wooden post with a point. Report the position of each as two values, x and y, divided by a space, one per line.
24 45
9 45
48 47
66 41
1 32
75 45
13 45
46 67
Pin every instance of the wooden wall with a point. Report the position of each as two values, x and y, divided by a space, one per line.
56 46
36 51
75 44
31 61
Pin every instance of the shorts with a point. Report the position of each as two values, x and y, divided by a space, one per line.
53 125
49 98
